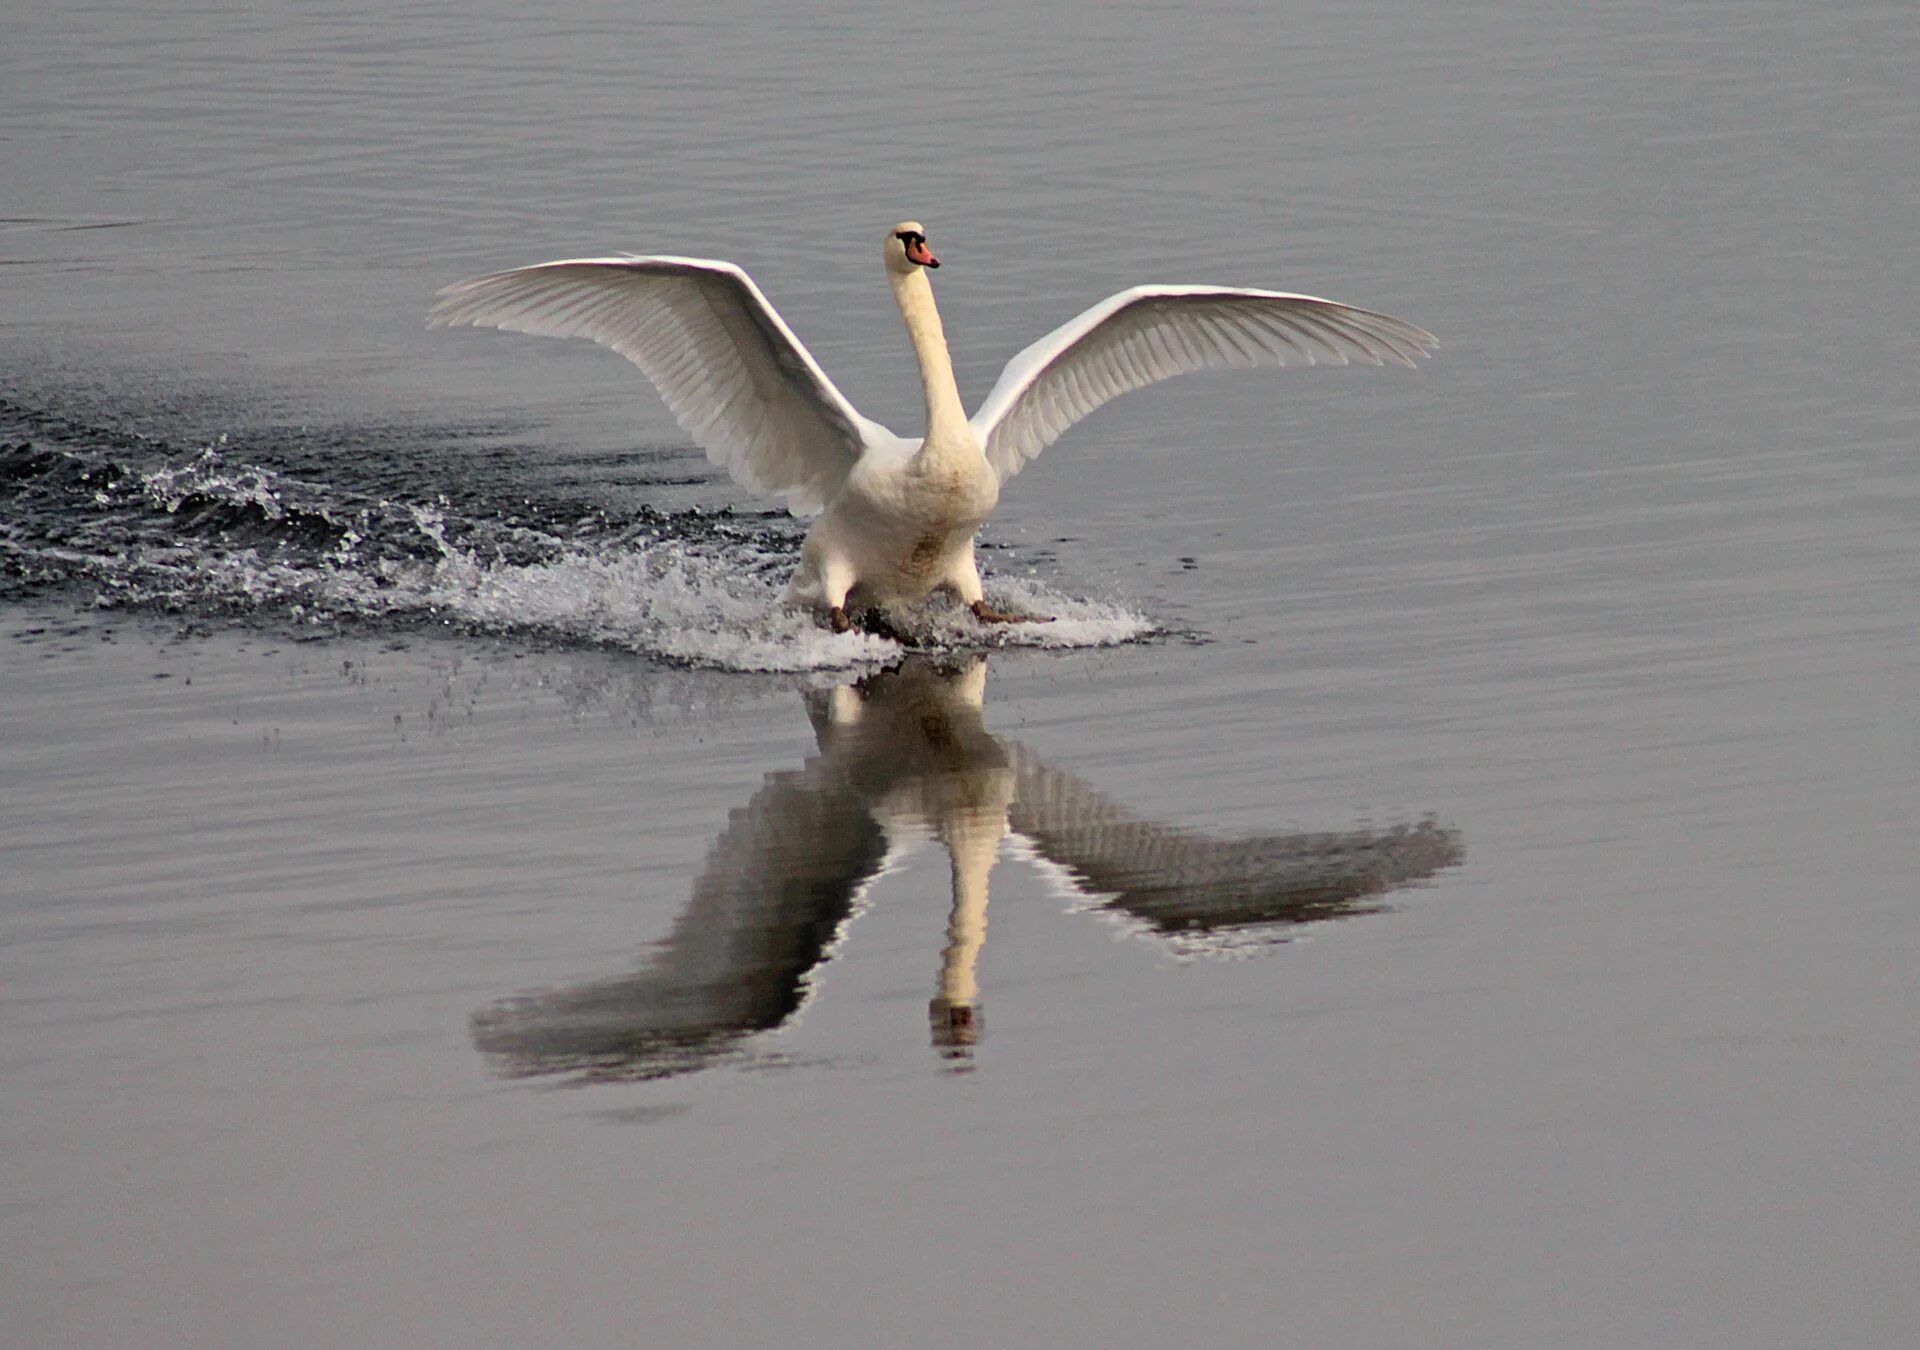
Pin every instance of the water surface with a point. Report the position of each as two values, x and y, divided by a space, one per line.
1446 880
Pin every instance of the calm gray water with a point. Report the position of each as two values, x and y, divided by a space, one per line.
1448 880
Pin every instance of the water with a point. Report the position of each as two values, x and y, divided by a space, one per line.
214 532
447 900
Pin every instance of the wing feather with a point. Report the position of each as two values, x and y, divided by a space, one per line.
727 365
1152 333
1177 880
779 887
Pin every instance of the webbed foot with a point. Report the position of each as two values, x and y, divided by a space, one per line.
986 614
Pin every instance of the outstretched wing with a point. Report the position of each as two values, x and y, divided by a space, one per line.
1181 881
732 371
779 885
1151 333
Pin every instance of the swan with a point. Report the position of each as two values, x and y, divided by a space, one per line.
896 518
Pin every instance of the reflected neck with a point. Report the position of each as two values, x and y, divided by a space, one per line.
973 853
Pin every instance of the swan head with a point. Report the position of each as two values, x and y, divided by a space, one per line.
906 248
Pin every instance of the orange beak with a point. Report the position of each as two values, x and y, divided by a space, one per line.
920 254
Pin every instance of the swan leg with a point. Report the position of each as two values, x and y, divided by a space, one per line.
963 579
823 580
839 595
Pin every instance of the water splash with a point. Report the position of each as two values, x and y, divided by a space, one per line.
213 534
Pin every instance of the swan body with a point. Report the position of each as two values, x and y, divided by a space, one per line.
896 518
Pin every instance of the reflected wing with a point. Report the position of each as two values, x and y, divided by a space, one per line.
779 885
1151 333
732 371
1181 881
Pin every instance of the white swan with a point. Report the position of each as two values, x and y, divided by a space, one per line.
897 517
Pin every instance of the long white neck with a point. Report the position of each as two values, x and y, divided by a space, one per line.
914 294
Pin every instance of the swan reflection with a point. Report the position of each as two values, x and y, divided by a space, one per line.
904 757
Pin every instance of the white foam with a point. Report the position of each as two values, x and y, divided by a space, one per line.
670 601
715 608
